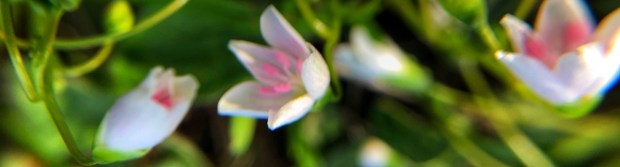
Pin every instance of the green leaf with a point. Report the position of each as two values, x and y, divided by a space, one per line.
411 136
104 155
241 134
67 5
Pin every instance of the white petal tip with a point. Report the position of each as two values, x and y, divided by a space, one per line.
290 112
315 74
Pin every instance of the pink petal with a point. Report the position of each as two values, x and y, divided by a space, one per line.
281 35
292 111
564 24
608 29
268 66
315 75
248 99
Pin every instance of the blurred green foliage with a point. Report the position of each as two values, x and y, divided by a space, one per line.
436 129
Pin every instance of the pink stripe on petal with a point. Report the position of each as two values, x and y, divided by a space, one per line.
271 70
282 87
283 60
163 98
275 89
266 91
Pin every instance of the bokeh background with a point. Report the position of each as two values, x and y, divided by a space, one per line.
194 41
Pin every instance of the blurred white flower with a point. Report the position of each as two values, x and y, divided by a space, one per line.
374 153
290 75
564 59
380 64
145 116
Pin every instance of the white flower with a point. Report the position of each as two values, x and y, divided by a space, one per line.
564 59
290 75
379 63
145 116
374 153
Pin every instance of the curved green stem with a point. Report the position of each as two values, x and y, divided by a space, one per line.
87 42
54 110
23 75
92 64
317 25
42 60
329 51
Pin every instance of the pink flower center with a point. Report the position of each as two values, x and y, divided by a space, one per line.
576 34
163 98
536 48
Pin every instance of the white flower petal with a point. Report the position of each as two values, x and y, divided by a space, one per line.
536 75
609 69
564 24
132 121
518 31
314 74
609 28
257 58
281 35
363 45
137 121
245 99
290 112
580 70
347 65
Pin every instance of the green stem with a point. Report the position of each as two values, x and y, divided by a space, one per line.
329 51
408 12
23 75
40 66
92 64
54 110
468 149
488 36
317 25
443 96
524 8
87 42
518 142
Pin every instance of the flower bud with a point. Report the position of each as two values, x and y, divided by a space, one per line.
145 116
119 17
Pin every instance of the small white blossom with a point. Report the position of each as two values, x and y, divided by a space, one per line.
290 75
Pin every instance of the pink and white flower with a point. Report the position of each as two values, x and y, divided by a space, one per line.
145 116
565 58
290 75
